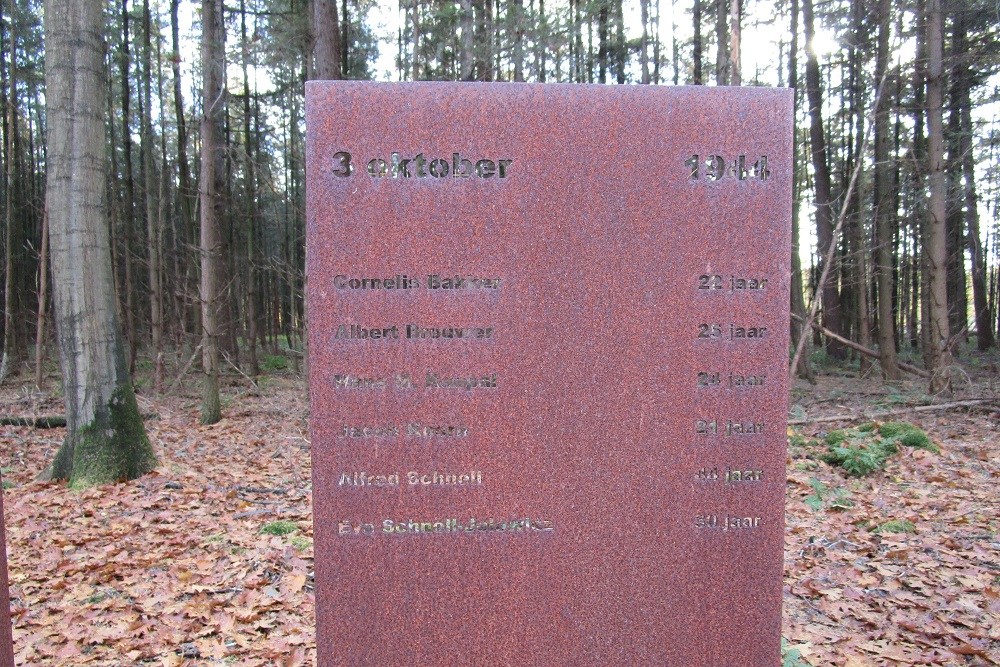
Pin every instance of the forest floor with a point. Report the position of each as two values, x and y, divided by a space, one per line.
180 567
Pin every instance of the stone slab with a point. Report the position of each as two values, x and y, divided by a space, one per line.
548 333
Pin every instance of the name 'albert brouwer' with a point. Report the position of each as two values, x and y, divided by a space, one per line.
547 383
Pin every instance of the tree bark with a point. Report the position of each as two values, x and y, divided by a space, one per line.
721 42
128 215
213 105
963 76
620 49
542 43
884 213
735 64
326 41
938 355
858 247
151 186
921 299
43 298
466 18
798 305
644 43
602 49
696 43
958 306
253 219
9 353
517 25
105 439
824 200
185 234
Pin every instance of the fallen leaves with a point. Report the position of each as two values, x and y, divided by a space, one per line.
922 591
161 571
175 569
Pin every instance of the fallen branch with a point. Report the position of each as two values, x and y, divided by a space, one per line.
51 421
970 403
54 421
187 366
831 250
903 366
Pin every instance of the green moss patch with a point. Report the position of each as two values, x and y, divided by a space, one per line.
865 449
278 528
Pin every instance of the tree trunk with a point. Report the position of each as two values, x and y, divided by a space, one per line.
857 246
798 305
963 76
8 356
466 22
326 44
128 217
602 49
721 42
824 200
213 105
938 354
345 41
517 24
415 22
185 231
696 45
542 43
958 306
620 49
984 318
921 300
250 174
735 16
43 297
644 43
885 215
151 185
105 439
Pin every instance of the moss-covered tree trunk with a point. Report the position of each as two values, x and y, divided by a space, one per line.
105 439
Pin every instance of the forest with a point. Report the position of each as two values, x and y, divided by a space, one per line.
164 141
897 251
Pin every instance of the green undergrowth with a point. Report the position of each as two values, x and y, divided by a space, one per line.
865 449
278 528
823 497
791 657
897 526
273 363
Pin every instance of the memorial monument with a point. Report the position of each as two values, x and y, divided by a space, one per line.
548 334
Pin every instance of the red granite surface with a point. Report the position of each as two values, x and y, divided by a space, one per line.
586 451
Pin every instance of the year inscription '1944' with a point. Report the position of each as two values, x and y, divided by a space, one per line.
717 167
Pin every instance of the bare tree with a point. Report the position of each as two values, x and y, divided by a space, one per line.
735 16
213 56
467 70
105 439
326 40
938 353
151 186
963 84
798 304
884 215
824 198
696 45
721 42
